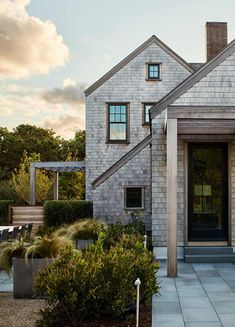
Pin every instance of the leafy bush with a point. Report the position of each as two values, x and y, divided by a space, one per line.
57 213
8 193
111 235
96 281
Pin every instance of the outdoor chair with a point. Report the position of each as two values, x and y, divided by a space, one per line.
13 235
29 228
23 230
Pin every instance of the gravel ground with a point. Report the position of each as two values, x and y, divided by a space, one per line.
18 313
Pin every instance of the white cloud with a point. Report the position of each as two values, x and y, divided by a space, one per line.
69 82
22 104
65 125
70 93
27 44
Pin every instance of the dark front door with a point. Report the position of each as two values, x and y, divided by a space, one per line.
208 192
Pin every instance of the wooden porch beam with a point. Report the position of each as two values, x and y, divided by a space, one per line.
172 197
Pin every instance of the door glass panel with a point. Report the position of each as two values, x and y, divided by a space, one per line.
208 192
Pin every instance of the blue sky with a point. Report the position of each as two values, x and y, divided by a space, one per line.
43 81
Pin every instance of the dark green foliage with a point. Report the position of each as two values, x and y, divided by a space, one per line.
4 211
27 138
95 282
75 147
72 186
112 234
8 193
57 213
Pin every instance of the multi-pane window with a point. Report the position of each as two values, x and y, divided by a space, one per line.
147 107
134 197
117 120
154 71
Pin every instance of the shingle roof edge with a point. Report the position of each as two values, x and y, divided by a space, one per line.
122 161
189 82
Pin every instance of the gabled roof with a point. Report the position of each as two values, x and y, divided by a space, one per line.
192 80
122 161
131 56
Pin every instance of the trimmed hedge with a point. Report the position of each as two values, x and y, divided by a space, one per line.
4 211
61 212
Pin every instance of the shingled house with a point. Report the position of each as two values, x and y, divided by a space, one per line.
161 142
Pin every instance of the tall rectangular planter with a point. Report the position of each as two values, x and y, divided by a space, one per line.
23 275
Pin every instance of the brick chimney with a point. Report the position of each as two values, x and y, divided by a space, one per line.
216 38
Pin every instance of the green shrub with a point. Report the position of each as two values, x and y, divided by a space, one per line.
10 250
84 229
57 213
39 247
111 235
8 193
96 281
48 247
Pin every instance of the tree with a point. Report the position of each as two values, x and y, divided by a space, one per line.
75 148
20 180
27 138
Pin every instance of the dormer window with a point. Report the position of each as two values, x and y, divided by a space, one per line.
153 72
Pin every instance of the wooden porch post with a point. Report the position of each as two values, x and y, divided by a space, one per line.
32 195
172 197
56 185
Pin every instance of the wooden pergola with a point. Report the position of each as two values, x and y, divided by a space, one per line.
56 168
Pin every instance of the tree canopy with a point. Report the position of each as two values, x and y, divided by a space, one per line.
28 142
32 139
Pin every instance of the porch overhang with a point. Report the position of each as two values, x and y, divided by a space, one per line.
203 119
181 121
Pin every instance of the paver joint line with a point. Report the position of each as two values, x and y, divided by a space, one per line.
215 309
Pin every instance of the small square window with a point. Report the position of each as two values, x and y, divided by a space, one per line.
134 197
147 107
154 71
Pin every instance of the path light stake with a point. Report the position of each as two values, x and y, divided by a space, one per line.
145 241
137 284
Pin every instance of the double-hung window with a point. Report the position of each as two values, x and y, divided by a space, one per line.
117 123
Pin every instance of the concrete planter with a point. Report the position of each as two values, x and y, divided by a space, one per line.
23 275
82 244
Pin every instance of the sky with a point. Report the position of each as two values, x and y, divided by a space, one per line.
51 50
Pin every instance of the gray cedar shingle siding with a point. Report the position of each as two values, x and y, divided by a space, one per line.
216 88
127 85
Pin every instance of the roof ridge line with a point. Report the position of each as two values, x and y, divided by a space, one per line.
121 162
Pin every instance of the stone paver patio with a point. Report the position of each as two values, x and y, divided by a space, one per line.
6 282
203 295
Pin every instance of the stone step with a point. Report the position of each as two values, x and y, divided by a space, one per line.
210 258
208 250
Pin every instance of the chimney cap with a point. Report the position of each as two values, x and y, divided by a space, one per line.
208 23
